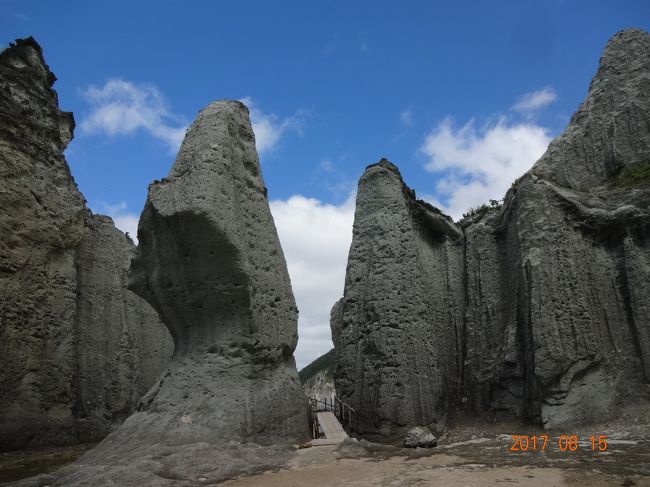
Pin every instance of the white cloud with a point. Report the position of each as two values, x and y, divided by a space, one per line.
326 165
480 163
124 220
406 117
316 239
269 128
121 107
533 101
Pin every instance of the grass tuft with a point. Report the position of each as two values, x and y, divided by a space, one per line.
633 175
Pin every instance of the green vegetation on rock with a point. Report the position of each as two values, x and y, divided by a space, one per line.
633 175
483 209
324 362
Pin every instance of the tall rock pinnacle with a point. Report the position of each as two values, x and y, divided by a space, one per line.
396 329
210 262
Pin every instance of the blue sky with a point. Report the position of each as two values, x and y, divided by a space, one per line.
462 96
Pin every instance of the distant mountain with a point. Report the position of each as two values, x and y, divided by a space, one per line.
323 363
317 378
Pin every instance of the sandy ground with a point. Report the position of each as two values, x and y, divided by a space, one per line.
326 466
469 458
477 455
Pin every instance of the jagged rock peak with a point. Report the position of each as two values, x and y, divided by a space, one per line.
30 52
389 174
624 53
27 87
386 164
609 131
77 349
219 121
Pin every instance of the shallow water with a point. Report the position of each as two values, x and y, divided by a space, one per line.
27 463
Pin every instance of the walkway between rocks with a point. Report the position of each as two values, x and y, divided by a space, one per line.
332 429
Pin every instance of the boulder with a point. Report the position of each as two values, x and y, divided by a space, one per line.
420 437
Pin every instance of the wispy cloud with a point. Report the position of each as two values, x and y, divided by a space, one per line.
316 238
124 220
406 117
326 166
529 103
122 107
328 175
269 128
478 163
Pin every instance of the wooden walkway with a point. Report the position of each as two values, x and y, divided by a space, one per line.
332 429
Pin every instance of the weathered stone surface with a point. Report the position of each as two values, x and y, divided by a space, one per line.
210 262
41 224
547 297
560 335
64 376
163 465
398 327
420 437
121 346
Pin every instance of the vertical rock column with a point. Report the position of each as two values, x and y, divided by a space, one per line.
121 345
77 348
41 225
210 262
398 328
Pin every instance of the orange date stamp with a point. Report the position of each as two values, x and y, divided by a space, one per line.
566 443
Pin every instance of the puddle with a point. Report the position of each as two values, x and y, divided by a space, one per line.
19 465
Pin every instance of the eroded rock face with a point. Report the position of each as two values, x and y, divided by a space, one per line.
73 355
210 262
121 346
538 310
564 322
396 330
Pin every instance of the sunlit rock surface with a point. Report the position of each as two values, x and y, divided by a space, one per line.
538 309
77 348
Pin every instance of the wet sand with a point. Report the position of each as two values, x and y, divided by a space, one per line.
26 463
467 459
476 455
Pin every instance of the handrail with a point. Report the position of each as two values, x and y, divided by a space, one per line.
344 404
341 410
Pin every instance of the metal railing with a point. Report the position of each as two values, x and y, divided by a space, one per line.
341 410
